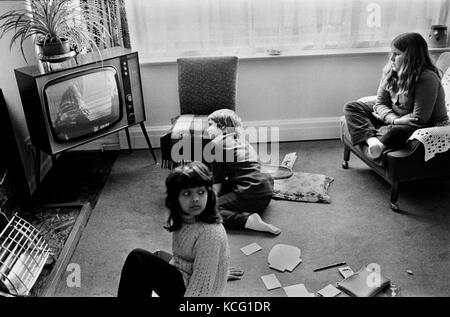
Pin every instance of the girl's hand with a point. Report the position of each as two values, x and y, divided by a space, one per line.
411 121
235 274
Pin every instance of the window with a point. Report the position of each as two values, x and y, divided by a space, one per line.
169 28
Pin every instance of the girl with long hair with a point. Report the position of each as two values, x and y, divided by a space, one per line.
410 96
200 262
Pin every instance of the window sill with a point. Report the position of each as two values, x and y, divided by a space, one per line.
305 53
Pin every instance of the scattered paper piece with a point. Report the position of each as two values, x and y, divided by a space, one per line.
409 272
297 290
329 291
293 265
271 281
284 257
154 294
346 271
251 248
289 160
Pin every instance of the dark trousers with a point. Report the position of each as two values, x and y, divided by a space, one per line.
235 209
363 125
144 272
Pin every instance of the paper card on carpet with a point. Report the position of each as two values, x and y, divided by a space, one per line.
329 291
251 248
293 265
289 160
297 290
346 271
271 281
284 257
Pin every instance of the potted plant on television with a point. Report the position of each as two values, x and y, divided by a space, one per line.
57 27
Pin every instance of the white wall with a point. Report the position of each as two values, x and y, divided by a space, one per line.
10 60
303 96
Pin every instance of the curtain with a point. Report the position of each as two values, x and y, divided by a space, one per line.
168 28
117 26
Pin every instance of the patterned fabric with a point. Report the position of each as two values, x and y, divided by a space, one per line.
436 139
202 254
304 187
207 84
190 125
118 25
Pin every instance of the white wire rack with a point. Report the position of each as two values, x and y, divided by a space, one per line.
23 253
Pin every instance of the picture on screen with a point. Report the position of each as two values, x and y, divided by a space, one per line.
85 104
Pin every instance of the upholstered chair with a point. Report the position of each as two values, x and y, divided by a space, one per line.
426 155
205 84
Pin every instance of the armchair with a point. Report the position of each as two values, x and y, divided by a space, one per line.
205 84
409 162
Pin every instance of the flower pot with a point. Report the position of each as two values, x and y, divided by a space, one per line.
54 48
438 36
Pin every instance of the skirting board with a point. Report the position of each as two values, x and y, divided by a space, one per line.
289 130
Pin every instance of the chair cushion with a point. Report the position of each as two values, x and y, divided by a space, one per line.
369 100
190 125
304 187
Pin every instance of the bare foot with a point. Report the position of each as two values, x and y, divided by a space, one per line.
254 222
375 148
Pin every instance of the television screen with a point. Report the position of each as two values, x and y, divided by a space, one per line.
84 103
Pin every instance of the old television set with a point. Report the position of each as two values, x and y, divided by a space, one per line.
93 96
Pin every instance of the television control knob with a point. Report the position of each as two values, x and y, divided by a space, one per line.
124 63
129 98
130 106
131 117
125 68
126 73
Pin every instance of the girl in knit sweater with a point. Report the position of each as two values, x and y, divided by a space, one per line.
200 262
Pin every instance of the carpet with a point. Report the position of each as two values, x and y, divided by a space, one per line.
77 176
358 227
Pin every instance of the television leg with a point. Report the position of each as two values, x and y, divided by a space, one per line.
54 160
37 172
128 140
147 139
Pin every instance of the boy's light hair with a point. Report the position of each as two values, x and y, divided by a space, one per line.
227 120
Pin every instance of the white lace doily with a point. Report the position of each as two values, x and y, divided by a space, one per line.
434 139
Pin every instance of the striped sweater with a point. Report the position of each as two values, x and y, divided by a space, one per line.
202 254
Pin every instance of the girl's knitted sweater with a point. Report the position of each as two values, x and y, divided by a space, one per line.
202 254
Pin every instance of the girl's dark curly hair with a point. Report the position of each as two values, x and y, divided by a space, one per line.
417 59
194 174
